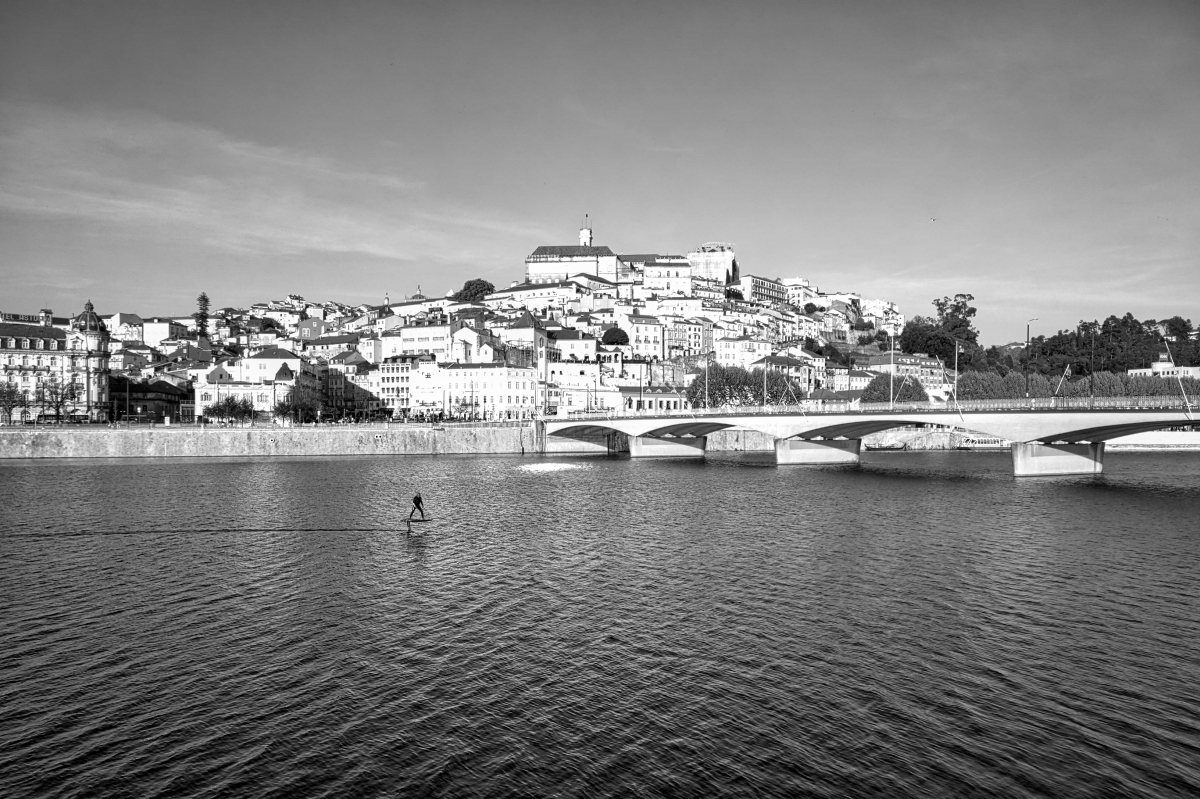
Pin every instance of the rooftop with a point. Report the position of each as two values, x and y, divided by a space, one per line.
549 252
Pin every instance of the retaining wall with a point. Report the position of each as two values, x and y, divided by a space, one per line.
264 441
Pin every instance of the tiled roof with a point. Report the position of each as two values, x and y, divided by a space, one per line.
590 278
344 338
13 330
526 320
571 251
569 333
275 352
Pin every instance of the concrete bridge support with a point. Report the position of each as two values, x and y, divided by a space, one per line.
650 447
1043 460
823 452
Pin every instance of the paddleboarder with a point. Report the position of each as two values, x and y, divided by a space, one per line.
417 506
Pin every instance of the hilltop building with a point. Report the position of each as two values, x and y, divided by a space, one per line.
715 261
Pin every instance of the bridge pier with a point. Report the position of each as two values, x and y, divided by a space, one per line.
813 452
651 447
1032 459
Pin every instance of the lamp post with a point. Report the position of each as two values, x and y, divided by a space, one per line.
955 373
891 370
1034 319
1092 371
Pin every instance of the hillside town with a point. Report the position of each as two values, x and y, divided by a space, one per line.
586 330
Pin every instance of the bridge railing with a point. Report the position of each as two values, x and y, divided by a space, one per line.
820 407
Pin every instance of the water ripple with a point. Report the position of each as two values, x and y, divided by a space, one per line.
920 625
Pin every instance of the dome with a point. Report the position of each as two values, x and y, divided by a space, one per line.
88 321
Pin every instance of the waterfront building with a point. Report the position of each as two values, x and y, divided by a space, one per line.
841 378
1164 368
802 370
57 373
490 390
396 383
929 370
262 395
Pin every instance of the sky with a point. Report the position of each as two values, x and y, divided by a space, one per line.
1041 156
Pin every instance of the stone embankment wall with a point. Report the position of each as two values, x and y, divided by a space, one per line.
265 441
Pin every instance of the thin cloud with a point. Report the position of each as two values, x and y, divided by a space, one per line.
142 176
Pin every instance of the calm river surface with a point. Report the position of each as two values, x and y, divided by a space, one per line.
922 625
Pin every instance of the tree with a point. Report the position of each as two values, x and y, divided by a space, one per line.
733 385
302 403
474 290
56 396
955 315
904 389
201 315
229 407
810 308
615 336
11 398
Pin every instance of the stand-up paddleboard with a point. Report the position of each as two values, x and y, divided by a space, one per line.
414 521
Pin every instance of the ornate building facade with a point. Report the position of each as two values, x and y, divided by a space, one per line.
55 373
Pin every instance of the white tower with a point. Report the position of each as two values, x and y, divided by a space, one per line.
585 233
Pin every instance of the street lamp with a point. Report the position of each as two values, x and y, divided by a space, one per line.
891 369
1034 319
956 373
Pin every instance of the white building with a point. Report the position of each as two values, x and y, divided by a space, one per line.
490 390
552 264
668 276
714 261
762 289
433 338
799 291
1165 369
741 350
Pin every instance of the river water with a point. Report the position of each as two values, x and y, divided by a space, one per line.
921 625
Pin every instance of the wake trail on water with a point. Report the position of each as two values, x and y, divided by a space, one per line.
209 530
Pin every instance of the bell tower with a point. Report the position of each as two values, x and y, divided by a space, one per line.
585 233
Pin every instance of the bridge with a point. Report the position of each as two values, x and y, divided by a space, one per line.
1054 436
